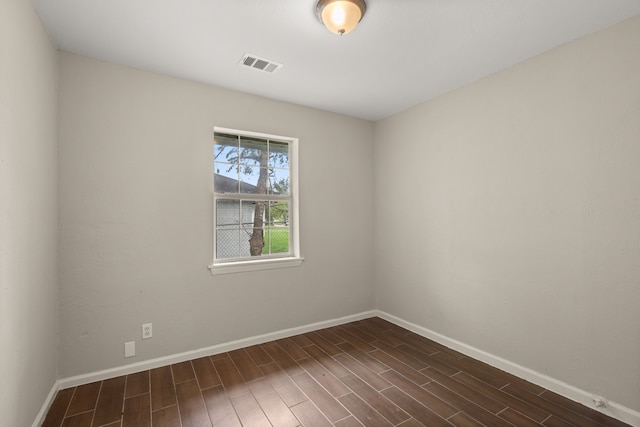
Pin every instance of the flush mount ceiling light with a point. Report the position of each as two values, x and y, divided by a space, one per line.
341 16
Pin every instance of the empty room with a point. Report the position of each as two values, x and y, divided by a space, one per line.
319 212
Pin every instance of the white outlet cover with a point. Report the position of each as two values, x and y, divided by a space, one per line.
147 331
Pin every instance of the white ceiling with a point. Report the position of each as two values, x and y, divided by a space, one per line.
403 52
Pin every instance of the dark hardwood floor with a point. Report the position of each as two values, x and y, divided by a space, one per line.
370 373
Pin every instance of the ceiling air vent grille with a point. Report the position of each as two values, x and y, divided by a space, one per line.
258 63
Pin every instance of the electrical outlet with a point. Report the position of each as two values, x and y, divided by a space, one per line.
147 331
130 349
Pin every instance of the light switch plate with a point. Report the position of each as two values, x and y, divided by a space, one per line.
130 349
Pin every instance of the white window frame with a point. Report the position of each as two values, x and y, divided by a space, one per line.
291 259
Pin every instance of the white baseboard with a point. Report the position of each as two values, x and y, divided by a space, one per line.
583 397
47 404
207 351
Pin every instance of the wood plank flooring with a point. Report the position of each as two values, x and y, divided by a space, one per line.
370 373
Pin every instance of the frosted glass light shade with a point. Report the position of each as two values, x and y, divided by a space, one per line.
341 16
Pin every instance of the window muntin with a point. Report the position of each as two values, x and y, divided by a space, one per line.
255 198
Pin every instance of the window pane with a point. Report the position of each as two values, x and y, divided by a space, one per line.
276 230
279 182
248 213
254 180
278 154
225 179
278 213
225 168
254 218
253 152
276 240
225 148
231 243
232 240
227 214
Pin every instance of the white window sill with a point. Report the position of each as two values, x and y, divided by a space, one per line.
262 264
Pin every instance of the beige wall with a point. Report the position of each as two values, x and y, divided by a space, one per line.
28 214
136 212
508 214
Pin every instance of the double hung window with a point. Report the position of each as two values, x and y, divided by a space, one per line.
255 196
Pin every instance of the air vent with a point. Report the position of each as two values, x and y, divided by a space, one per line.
258 63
